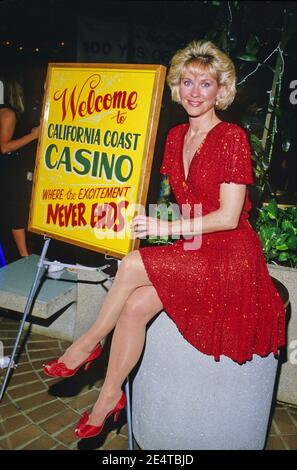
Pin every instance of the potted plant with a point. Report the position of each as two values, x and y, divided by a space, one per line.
277 228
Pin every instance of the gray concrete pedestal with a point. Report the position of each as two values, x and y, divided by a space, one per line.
183 399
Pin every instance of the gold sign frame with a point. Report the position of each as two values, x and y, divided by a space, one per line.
98 132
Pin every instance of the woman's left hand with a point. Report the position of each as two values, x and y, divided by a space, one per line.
144 226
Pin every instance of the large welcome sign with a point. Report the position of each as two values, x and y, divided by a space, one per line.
95 152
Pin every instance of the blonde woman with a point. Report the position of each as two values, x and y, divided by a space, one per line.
219 294
13 208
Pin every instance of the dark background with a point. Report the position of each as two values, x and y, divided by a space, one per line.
34 33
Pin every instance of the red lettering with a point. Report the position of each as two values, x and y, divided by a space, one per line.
81 210
132 100
84 101
119 99
98 216
91 100
52 214
107 100
93 80
111 215
82 109
65 215
97 101
121 219
52 194
106 215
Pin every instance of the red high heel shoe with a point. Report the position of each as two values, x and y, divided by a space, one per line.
59 369
85 430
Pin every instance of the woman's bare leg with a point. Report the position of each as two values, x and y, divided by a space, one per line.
130 276
19 236
126 347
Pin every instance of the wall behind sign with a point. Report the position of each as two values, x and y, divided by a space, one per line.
102 41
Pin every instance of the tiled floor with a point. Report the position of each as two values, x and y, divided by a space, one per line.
38 412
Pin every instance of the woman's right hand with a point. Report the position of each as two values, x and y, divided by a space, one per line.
35 132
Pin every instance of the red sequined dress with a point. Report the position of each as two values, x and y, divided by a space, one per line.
220 296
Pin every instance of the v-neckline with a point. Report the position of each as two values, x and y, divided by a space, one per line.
197 151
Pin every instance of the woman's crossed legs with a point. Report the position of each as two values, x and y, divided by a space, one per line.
129 305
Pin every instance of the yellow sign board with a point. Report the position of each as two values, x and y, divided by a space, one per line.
95 151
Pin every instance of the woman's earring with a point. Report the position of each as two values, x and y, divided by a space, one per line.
216 102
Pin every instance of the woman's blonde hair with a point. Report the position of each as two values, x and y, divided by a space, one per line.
203 56
14 95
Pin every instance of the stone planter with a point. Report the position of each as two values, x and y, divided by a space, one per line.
183 399
287 389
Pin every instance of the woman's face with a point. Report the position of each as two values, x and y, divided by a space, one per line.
198 92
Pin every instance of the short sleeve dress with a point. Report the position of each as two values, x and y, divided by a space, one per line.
219 295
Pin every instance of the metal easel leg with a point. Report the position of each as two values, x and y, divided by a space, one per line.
128 408
30 299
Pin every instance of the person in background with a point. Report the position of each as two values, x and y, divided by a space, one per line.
14 205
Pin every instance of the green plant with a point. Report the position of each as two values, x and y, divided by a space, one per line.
164 211
277 228
258 37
